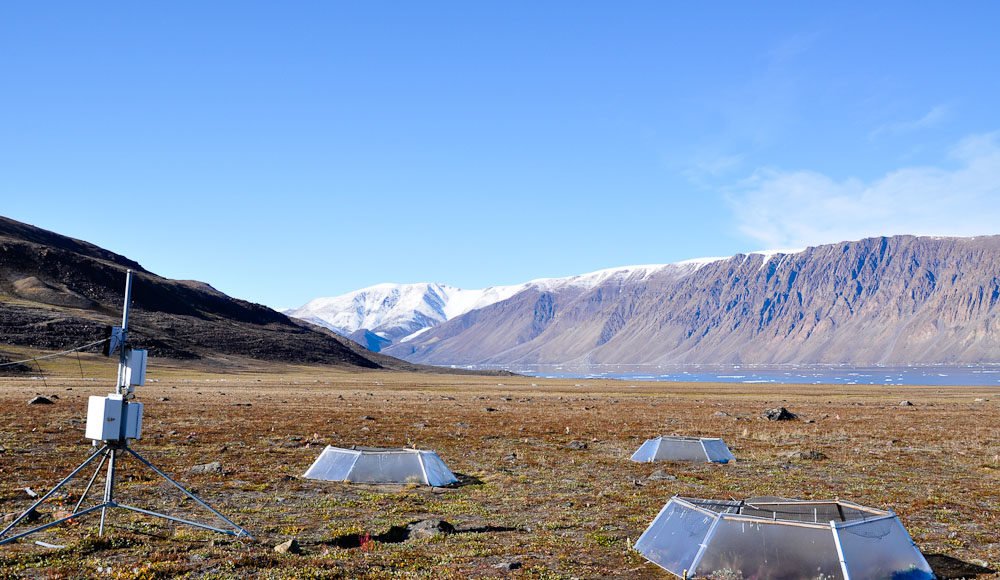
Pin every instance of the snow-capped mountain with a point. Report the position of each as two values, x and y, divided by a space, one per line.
399 312
395 312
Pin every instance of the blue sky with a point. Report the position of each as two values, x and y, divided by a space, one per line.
284 151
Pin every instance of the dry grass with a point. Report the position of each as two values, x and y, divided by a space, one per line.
559 512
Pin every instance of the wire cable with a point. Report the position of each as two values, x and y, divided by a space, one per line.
53 355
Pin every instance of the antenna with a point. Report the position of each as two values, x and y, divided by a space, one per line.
112 422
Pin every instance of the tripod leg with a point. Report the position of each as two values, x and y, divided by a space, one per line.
241 531
181 520
109 490
50 524
90 484
52 491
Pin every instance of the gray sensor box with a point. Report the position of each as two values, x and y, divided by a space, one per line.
110 418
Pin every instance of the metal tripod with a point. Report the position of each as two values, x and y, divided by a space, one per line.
109 453
111 448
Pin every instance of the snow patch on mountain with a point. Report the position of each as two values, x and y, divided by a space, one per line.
400 312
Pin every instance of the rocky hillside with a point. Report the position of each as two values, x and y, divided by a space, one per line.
58 292
895 300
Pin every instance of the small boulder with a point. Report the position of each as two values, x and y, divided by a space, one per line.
779 414
489 409
367 418
905 404
289 547
429 528
811 455
213 467
507 566
660 475
60 514
40 400
33 516
577 445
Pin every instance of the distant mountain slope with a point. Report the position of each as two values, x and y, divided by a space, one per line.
897 300
58 292
386 314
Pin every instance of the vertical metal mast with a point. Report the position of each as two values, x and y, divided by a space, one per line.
122 388
117 410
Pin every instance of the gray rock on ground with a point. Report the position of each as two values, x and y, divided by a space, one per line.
289 547
811 455
40 400
429 528
507 566
213 467
661 475
779 414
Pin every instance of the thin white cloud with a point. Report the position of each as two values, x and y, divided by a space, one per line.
803 208
931 119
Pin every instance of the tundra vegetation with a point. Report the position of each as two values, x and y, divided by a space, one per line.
533 501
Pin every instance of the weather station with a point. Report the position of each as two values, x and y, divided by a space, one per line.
113 423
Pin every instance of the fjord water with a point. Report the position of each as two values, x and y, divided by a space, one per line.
969 375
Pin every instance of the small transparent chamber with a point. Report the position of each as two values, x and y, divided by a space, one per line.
781 539
683 449
381 465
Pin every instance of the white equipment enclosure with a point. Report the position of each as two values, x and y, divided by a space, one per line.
781 539
683 449
380 465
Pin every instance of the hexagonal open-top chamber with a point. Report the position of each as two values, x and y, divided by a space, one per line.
381 465
778 539
674 448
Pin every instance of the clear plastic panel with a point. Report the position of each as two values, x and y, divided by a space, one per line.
882 550
674 538
332 465
718 451
437 472
647 452
681 450
767 551
388 467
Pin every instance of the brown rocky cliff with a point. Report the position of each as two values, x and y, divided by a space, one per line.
894 300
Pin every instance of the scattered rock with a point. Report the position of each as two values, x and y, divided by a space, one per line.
507 566
3 449
811 455
721 414
780 414
578 445
213 467
489 409
429 528
289 547
420 425
510 457
367 418
164 399
33 516
60 514
905 404
660 475
40 400
981 400
462 425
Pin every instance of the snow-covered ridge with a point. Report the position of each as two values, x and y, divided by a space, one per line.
399 312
